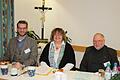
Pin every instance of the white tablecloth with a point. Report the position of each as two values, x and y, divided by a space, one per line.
69 75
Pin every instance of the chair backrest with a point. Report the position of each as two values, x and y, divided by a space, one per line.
82 49
79 52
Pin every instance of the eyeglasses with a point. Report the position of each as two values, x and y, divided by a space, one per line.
97 41
22 28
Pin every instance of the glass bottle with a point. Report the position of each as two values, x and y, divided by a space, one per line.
108 73
115 69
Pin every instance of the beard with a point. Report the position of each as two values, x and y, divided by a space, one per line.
98 48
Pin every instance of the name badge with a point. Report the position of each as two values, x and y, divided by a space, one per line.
27 50
105 64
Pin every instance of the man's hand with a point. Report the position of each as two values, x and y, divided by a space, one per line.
18 65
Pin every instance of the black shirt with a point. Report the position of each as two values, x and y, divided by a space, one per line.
94 59
68 57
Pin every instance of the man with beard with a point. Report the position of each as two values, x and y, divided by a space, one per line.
98 56
22 50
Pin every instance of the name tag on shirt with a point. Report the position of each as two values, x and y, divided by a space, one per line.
105 64
27 50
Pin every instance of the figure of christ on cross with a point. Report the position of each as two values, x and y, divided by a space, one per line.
43 8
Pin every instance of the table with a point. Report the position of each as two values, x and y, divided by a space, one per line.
41 75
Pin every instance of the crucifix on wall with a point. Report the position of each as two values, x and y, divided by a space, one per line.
42 9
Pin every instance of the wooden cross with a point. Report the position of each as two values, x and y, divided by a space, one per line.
43 8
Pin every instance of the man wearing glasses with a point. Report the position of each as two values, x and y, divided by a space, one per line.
22 50
97 56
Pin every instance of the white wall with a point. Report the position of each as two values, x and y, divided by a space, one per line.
81 18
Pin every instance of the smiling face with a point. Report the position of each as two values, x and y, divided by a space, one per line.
58 37
98 41
22 29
